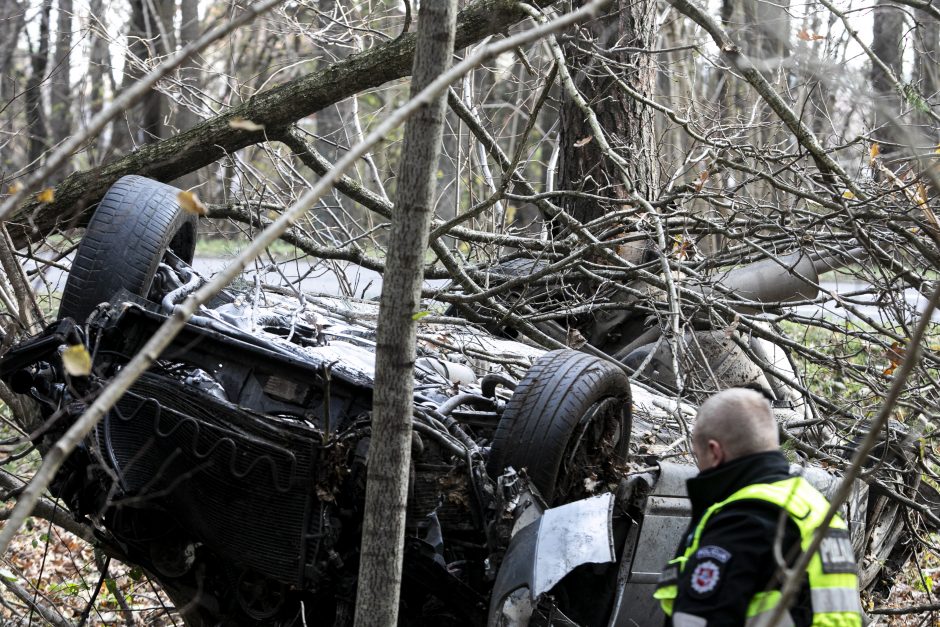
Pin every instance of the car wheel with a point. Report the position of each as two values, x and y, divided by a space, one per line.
568 420
136 222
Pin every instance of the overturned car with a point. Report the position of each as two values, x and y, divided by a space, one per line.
234 470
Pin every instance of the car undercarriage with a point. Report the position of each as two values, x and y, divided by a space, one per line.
234 470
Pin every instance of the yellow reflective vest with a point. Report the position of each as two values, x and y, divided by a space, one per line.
833 581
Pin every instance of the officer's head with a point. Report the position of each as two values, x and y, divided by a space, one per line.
731 424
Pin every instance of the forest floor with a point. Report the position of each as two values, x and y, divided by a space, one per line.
59 570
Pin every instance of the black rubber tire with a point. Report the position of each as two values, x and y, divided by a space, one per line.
135 223
540 420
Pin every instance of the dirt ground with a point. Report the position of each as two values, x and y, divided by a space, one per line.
58 570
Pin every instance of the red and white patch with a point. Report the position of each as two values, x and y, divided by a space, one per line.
705 577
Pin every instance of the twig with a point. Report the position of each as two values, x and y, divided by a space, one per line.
123 100
826 164
911 609
45 509
102 562
48 613
103 568
795 579
60 451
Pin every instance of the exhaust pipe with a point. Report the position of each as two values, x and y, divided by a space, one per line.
787 279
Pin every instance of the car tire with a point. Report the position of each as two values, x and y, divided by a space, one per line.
571 408
136 222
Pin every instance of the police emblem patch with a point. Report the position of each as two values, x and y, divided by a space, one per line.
714 552
705 577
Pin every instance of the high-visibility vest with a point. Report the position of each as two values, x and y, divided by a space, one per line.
833 581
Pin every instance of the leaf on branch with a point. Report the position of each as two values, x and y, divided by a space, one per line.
805 35
47 195
190 202
681 247
920 196
584 141
15 188
895 356
76 360
575 340
242 124
731 328
701 180
873 153
848 195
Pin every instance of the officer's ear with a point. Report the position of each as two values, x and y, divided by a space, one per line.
715 455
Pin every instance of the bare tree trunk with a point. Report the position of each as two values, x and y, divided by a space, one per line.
99 71
35 116
887 30
390 446
61 95
926 77
12 20
583 166
144 123
186 118
332 121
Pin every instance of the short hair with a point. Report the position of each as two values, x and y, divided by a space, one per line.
739 419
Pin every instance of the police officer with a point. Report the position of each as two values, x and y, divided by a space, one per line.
749 515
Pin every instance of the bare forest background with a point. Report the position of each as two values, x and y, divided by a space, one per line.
637 158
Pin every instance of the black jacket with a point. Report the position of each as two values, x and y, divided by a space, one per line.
735 558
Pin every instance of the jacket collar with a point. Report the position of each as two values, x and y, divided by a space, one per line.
717 484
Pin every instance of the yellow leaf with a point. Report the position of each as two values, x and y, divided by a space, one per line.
77 361
190 202
921 196
937 151
848 194
873 152
245 125
14 188
47 195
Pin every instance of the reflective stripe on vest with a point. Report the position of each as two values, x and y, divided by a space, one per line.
833 588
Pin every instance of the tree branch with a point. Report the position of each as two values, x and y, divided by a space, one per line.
125 99
48 613
911 358
162 338
740 61
275 109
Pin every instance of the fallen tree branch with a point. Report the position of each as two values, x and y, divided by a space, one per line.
162 338
795 577
274 110
911 609
45 509
122 101
48 612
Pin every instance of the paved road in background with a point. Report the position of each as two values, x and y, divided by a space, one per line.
364 283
